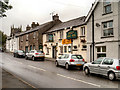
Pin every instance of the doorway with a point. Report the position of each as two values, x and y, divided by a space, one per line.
54 53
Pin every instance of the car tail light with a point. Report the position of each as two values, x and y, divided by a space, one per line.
118 67
43 53
36 53
83 60
72 60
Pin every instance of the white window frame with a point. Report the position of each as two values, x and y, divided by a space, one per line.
105 5
82 31
108 28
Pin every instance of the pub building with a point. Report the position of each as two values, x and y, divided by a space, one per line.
66 37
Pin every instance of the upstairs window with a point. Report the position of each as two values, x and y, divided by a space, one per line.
107 7
27 37
61 34
82 31
107 28
34 35
50 38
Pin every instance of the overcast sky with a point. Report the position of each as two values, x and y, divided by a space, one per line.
24 12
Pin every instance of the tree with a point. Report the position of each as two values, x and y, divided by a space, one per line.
3 38
4 6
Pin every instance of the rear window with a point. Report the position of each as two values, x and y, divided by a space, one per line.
20 51
77 57
119 62
40 51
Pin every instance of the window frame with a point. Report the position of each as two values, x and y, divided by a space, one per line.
108 28
105 7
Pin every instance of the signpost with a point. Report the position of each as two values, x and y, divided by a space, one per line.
70 35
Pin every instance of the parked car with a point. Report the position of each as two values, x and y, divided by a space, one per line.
104 66
19 53
69 60
34 54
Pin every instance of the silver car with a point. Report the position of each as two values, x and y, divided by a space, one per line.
69 60
105 66
34 54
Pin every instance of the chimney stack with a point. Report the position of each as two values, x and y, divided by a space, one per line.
33 25
28 28
55 17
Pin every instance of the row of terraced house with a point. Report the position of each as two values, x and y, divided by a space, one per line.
92 36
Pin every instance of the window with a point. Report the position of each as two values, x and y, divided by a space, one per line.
61 34
30 47
98 61
27 37
65 49
82 31
34 35
108 28
21 38
107 7
33 47
66 56
50 38
61 49
101 51
69 48
47 50
77 57
84 47
108 61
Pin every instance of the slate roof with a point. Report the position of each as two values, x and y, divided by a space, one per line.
34 29
71 23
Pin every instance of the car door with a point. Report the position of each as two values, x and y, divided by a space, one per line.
66 59
94 66
105 66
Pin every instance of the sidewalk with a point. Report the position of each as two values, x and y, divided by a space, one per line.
50 59
9 81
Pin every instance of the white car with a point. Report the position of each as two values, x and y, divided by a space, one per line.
69 60
33 54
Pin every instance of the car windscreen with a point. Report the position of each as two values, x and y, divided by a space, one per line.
76 57
39 51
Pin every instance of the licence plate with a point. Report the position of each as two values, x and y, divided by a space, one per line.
78 64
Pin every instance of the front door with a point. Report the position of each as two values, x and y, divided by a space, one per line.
54 52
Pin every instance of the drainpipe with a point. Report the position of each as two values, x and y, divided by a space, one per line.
93 41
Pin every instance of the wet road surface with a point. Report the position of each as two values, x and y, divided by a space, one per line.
44 74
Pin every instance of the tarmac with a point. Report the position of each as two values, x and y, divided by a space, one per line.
10 81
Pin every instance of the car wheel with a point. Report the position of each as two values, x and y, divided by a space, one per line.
67 66
56 63
87 71
14 55
33 58
26 57
111 76
43 59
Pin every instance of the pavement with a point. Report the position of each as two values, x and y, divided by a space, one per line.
10 81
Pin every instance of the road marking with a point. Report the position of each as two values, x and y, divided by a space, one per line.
37 68
79 80
22 80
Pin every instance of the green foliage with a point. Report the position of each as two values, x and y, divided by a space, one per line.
3 38
4 6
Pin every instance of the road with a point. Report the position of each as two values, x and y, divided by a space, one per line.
44 74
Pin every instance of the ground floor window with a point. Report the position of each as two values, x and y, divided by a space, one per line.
61 49
26 49
47 50
65 49
34 47
69 49
101 51
30 47
40 47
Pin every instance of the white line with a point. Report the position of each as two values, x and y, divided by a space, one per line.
79 80
36 68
